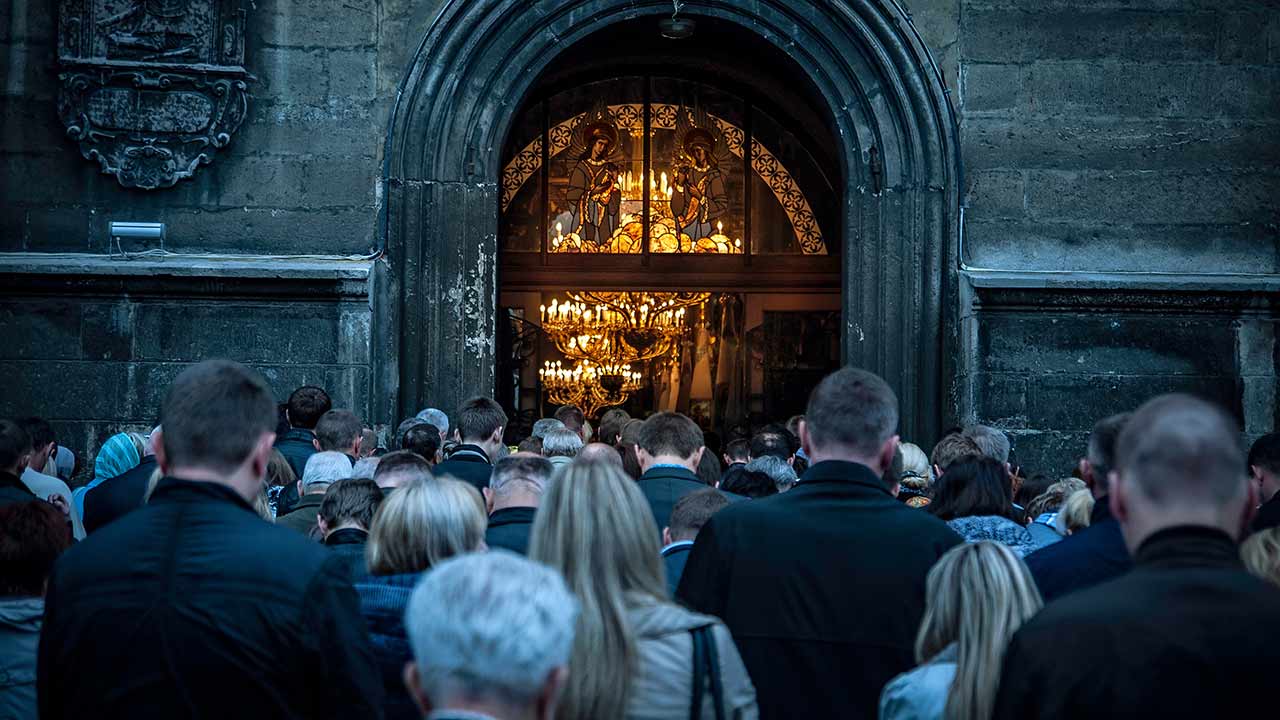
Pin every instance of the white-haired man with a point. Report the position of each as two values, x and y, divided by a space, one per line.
437 418
322 470
491 635
561 446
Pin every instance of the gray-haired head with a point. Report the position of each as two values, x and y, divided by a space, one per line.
324 468
437 418
489 626
993 443
520 472
544 426
561 442
784 476
365 467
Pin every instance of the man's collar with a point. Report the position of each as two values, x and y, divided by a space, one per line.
467 450
513 514
843 471
676 546
175 488
347 536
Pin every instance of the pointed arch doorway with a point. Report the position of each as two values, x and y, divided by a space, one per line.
896 153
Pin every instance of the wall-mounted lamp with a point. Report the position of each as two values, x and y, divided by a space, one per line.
137 231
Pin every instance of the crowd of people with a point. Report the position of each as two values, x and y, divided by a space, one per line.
247 559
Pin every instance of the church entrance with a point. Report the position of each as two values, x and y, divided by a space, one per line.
582 209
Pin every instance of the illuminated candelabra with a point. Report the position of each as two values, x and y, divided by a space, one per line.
616 328
589 386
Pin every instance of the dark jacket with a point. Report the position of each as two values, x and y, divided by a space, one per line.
509 529
383 599
13 490
119 495
178 610
663 486
1268 515
349 544
1186 633
468 463
297 446
822 587
1081 560
674 559
303 516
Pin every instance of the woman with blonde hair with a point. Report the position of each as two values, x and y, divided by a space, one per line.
976 596
1261 555
1076 512
418 525
634 651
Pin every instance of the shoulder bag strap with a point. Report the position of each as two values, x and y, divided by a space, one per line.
699 673
713 669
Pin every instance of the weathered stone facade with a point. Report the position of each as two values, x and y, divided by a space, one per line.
1119 232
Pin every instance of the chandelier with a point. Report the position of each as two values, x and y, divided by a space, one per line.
588 386
618 328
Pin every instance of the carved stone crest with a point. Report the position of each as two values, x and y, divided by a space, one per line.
152 89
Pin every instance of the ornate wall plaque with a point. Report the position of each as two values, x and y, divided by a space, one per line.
151 89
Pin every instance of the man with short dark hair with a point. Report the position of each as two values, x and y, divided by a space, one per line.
611 423
346 514
952 447
1188 632
424 439
340 431
179 610
1264 468
687 518
305 407
43 444
514 493
15 449
771 444
736 456
668 450
400 468
1097 553
481 422
574 419
789 574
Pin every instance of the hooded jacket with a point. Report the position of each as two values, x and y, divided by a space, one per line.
664 686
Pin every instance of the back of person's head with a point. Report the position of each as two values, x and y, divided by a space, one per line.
423 522
793 425
596 528
611 423
40 430
992 443
338 430
779 471
1261 554
279 471
479 419
1179 461
324 469
368 442
15 447
1032 488
423 439
561 442
852 414
627 444
435 417
520 473
750 483
976 596
218 415
1101 451
306 405
350 502
1264 454
951 448
669 433
400 467
693 511
1053 498
1075 513
572 417
544 426
708 471
600 452
530 444
914 473
491 627
32 536
973 487
770 443
403 427
738 451
365 467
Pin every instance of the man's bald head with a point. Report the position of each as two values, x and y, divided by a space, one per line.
1180 462
600 452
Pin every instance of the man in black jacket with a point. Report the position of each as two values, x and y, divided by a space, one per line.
345 516
305 407
15 448
1097 553
1187 632
178 610
513 495
823 586
480 425
669 449
1264 468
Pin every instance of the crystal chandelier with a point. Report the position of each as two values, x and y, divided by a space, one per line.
618 328
588 386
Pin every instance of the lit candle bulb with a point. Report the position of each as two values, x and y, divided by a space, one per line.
719 228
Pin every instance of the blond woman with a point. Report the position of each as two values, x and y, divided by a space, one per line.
976 596
1261 555
634 649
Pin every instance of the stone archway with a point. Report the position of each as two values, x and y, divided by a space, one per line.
899 159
